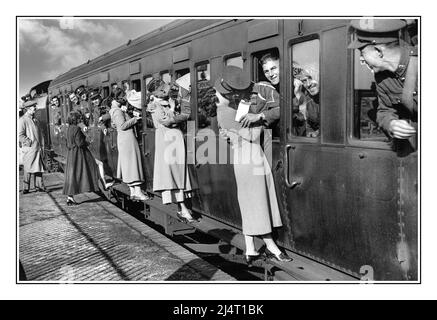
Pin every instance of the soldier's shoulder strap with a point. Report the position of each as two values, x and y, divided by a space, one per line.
410 83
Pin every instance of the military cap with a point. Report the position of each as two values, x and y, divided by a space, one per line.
375 31
95 95
29 103
232 79
80 90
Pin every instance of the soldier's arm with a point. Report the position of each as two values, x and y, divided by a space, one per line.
121 123
271 115
185 112
385 111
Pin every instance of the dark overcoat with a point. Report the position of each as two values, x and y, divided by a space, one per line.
81 172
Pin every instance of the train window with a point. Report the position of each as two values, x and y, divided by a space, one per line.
202 82
136 85
181 72
166 77
268 74
105 92
236 61
365 104
306 89
147 80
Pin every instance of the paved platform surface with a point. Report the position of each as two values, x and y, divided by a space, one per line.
97 241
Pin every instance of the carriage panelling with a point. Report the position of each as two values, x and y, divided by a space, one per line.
345 211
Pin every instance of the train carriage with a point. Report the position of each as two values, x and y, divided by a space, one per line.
347 199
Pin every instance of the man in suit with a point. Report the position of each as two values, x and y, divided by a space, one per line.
32 147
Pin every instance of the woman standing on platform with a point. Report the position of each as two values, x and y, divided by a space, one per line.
170 175
129 166
81 172
255 185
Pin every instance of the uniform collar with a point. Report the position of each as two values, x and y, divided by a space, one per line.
403 63
29 116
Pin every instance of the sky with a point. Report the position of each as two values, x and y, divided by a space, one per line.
50 47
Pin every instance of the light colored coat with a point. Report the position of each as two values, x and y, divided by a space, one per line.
32 144
129 166
170 170
255 185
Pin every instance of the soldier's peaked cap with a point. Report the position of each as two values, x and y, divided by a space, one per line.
29 103
375 31
232 79
95 95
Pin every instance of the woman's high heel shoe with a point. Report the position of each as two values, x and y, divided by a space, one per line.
185 217
282 257
140 197
250 259
71 202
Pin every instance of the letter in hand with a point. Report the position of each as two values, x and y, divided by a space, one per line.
249 119
401 129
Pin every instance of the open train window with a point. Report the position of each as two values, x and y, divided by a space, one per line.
147 79
235 60
203 76
305 76
136 85
365 104
266 69
105 92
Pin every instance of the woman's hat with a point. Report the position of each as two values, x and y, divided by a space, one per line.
232 79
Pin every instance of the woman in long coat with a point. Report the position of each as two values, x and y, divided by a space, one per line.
255 186
170 174
129 166
81 172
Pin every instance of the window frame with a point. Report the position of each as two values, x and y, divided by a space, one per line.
194 93
351 140
290 90
235 55
254 72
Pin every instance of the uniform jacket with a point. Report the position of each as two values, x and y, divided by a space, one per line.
265 99
390 87
32 144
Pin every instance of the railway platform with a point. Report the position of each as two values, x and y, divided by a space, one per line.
97 241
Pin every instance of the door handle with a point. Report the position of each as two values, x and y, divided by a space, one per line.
295 182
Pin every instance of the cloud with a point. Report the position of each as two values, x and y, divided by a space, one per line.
69 43
50 47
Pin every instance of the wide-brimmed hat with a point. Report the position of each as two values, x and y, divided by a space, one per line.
375 31
232 79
